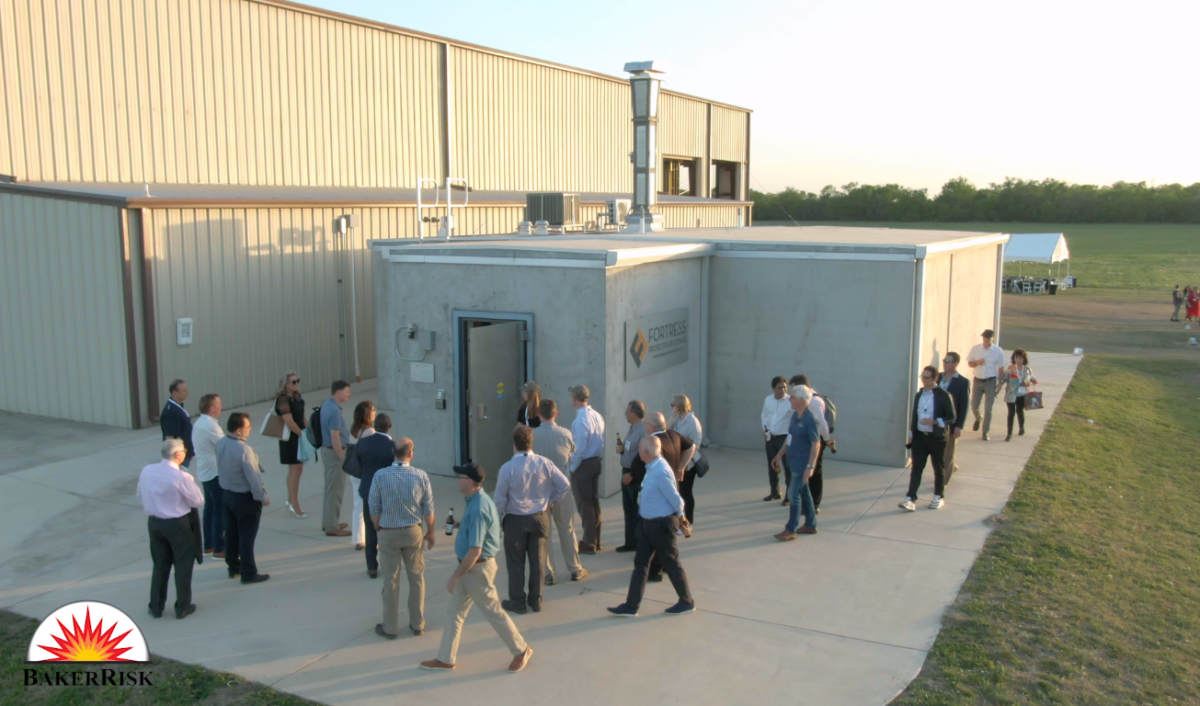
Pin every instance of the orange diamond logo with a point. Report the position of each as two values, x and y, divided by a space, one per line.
639 348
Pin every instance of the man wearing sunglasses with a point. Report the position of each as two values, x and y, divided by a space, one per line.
960 393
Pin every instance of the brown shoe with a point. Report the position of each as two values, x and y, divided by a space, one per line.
518 663
208 551
436 665
807 530
338 533
786 536
343 525
218 555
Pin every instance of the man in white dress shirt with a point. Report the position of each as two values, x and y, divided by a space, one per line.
168 495
205 435
776 415
986 361
587 431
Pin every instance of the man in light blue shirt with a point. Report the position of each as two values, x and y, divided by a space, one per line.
335 437
474 582
588 433
661 509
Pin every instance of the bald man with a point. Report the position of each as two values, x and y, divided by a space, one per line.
661 511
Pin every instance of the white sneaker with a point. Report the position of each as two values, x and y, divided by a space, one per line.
936 503
909 505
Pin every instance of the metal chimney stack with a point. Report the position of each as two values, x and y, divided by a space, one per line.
644 87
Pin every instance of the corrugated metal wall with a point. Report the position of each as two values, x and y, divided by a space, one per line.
243 92
729 134
518 125
210 92
62 339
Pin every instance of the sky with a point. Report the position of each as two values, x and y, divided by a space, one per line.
878 92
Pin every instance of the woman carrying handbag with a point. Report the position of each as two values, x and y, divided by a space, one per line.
1017 377
684 422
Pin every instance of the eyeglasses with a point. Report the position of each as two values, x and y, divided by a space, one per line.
926 377
293 381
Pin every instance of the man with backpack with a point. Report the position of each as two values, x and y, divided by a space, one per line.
826 414
335 437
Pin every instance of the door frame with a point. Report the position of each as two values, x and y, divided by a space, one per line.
460 318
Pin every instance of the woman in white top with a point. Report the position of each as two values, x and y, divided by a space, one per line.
363 426
684 422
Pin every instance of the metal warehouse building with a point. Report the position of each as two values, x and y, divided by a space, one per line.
173 172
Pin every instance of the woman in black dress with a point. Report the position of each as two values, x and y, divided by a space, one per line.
290 405
528 413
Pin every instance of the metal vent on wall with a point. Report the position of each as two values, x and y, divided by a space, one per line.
556 208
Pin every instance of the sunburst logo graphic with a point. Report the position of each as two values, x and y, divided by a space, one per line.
88 631
638 349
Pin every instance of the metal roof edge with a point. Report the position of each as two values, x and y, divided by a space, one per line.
64 195
925 250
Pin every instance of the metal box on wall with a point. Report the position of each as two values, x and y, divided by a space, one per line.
556 208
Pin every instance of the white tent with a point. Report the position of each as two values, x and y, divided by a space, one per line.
1038 247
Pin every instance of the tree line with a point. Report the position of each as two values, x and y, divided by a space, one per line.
1014 201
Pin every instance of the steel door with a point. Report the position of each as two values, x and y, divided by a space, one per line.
495 370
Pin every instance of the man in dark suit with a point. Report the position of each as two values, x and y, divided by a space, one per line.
960 392
374 452
932 415
175 421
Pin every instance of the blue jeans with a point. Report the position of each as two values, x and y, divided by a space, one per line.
801 501
214 516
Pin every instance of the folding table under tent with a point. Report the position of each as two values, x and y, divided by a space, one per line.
1038 247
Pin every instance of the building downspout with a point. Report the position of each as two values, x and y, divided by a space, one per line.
705 308
917 332
999 290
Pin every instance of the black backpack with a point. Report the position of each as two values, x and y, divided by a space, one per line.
314 428
830 412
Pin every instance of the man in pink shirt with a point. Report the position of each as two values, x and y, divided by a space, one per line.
168 495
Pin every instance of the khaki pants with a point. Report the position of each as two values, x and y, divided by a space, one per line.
478 586
979 390
948 458
396 545
335 488
563 515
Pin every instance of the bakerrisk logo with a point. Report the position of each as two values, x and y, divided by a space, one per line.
639 348
88 631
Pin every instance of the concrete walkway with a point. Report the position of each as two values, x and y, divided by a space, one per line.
843 617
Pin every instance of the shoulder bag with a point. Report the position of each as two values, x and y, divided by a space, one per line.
701 467
1033 399
350 465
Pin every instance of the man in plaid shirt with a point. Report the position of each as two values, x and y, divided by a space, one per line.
401 498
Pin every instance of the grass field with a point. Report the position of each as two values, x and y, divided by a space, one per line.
174 683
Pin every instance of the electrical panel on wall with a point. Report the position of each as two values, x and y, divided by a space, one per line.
183 332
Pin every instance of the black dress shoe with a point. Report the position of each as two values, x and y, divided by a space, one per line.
626 548
188 610
380 631
513 606
234 573
656 578
975 426
154 614
786 502
373 573
257 578
535 606
772 496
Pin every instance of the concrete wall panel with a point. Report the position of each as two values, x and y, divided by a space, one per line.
973 297
63 351
639 291
844 324
935 321
568 340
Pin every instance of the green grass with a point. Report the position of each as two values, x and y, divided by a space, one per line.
173 682
1110 255
1088 590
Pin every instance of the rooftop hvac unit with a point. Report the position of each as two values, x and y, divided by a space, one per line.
615 211
557 209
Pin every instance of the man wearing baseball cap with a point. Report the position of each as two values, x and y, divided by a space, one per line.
476 546
986 361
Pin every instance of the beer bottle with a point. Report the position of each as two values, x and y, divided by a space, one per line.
450 523
620 446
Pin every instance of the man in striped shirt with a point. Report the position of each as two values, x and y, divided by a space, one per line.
401 499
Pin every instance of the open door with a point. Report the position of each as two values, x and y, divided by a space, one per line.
495 372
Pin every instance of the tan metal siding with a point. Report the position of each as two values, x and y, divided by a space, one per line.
518 125
213 91
682 123
729 134
973 289
62 342
702 215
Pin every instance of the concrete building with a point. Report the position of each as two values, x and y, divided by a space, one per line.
166 165
710 313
